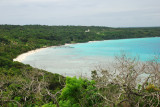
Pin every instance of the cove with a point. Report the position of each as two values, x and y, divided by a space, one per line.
80 59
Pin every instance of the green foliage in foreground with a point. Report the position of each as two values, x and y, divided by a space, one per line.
78 92
87 93
28 86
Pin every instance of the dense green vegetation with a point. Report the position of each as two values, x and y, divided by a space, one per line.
23 85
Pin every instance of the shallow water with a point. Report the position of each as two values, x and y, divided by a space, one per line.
80 59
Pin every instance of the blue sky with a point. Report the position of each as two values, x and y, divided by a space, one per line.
112 13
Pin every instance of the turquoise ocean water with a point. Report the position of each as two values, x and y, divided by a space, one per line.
83 57
145 48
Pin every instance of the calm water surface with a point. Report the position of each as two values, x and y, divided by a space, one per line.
78 59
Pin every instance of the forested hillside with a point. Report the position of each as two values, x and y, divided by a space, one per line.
23 85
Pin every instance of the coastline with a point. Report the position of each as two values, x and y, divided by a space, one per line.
22 56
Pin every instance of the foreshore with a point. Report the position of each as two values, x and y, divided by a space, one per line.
22 56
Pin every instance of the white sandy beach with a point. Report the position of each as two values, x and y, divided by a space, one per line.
22 56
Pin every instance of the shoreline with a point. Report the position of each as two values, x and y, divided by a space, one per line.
22 56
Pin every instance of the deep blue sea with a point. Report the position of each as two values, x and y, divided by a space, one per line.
83 57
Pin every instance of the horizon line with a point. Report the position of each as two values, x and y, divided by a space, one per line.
82 25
